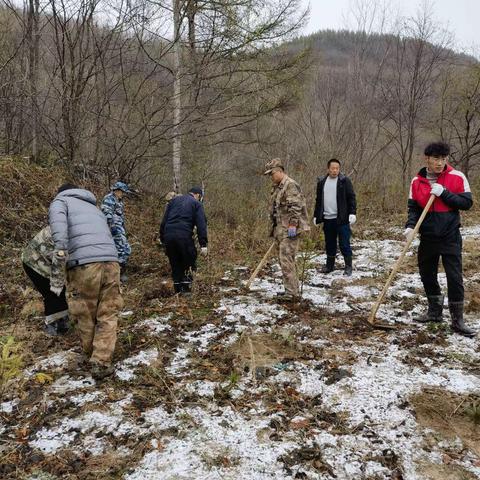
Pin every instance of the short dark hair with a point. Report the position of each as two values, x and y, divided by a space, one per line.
333 160
196 190
66 186
437 149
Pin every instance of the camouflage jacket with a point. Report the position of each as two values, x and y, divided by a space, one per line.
38 255
114 209
288 207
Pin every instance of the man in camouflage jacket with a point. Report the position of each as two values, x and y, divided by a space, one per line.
113 208
288 216
48 277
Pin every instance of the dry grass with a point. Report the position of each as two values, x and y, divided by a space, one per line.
448 414
444 472
263 350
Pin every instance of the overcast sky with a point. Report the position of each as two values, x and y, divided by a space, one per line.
461 17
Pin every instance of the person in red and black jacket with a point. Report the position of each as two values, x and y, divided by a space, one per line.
440 233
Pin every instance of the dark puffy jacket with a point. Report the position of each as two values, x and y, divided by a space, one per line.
80 228
346 201
443 219
182 215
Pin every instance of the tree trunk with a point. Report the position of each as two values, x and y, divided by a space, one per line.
177 100
33 41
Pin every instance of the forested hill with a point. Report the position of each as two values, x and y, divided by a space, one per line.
336 47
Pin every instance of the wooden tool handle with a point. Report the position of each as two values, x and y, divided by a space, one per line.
260 266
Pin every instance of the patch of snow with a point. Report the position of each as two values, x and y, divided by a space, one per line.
7 407
179 361
224 434
84 398
202 338
159 419
250 311
54 362
125 369
67 384
472 231
203 388
157 324
360 291
49 440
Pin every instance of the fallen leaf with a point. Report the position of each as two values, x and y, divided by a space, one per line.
43 378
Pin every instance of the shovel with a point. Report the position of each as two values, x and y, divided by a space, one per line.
398 263
259 266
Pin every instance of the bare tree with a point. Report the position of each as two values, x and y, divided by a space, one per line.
459 121
418 51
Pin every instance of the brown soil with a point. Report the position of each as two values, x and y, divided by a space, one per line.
447 414
445 472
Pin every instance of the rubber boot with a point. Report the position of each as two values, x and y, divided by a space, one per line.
330 265
348 266
63 325
51 328
435 310
458 325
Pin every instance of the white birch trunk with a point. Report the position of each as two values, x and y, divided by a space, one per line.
177 100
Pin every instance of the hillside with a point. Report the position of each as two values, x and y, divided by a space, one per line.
228 383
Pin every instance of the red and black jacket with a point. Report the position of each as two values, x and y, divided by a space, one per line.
443 219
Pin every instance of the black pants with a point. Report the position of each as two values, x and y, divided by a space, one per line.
55 306
429 253
182 254
332 231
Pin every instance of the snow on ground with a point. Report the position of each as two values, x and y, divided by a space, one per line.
218 434
125 370
472 231
238 439
156 324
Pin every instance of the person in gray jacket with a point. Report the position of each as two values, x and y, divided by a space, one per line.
83 242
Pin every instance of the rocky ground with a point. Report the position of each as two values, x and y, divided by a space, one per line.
230 384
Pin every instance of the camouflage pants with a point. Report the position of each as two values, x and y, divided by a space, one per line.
94 301
287 251
123 247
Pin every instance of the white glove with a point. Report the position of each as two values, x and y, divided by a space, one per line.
56 290
437 189
352 219
408 233
204 250
314 220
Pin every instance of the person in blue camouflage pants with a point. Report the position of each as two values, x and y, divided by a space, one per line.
114 209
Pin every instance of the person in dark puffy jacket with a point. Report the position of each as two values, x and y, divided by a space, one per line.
83 242
184 213
440 233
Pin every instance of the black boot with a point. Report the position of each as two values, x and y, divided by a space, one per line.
458 325
348 266
435 310
63 325
330 265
